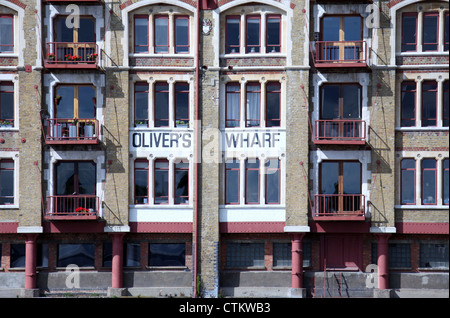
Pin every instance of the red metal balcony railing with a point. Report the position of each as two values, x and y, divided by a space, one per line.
72 207
339 207
71 131
340 54
340 131
71 55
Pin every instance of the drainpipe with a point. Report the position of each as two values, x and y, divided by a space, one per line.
196 141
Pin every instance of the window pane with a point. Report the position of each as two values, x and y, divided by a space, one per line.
253 34
352 29
86 178
181 35
64 107
273 105
141 184
140 35
161 182
181 183
252 181
65 178
434 255
329 178
282 254
161 105
6 34
86 32
244 254
352 177
399 255
408 115
331 26
408 181
233 102
132 255
430 32
429 104
86 102
6 101
253 105
409 33
272 181
17 255
107 255
167 254
141 103
81 255
233 35
63 33
161 34
446 32
181 104
446 105
330 102
6 182
273 34
351 95
429 181
232 181
445 194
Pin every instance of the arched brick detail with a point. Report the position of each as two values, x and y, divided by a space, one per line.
18 3
130 2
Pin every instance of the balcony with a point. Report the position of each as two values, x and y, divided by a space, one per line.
340 54
69 131
72 207
339 207
340 131
68 55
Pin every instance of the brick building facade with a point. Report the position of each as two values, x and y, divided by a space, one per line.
269 148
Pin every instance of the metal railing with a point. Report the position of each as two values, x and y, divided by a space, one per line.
72 206
69 53
340 52
341 205
64 130
340 130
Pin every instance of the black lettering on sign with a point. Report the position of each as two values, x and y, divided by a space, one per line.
161 140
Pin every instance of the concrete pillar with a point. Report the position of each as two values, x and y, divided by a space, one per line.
383 261
297 260
30 260
117 259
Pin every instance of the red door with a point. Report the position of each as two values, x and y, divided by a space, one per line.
341 252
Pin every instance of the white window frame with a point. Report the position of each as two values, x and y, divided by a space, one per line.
12 155
418 157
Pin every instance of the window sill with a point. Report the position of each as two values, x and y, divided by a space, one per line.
251 55
9 207
9 129
168 268
422 128
162 55
160 206
422 207
428 53
252 206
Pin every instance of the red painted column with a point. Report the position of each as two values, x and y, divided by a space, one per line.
297 260
383 261
30 260
117 259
